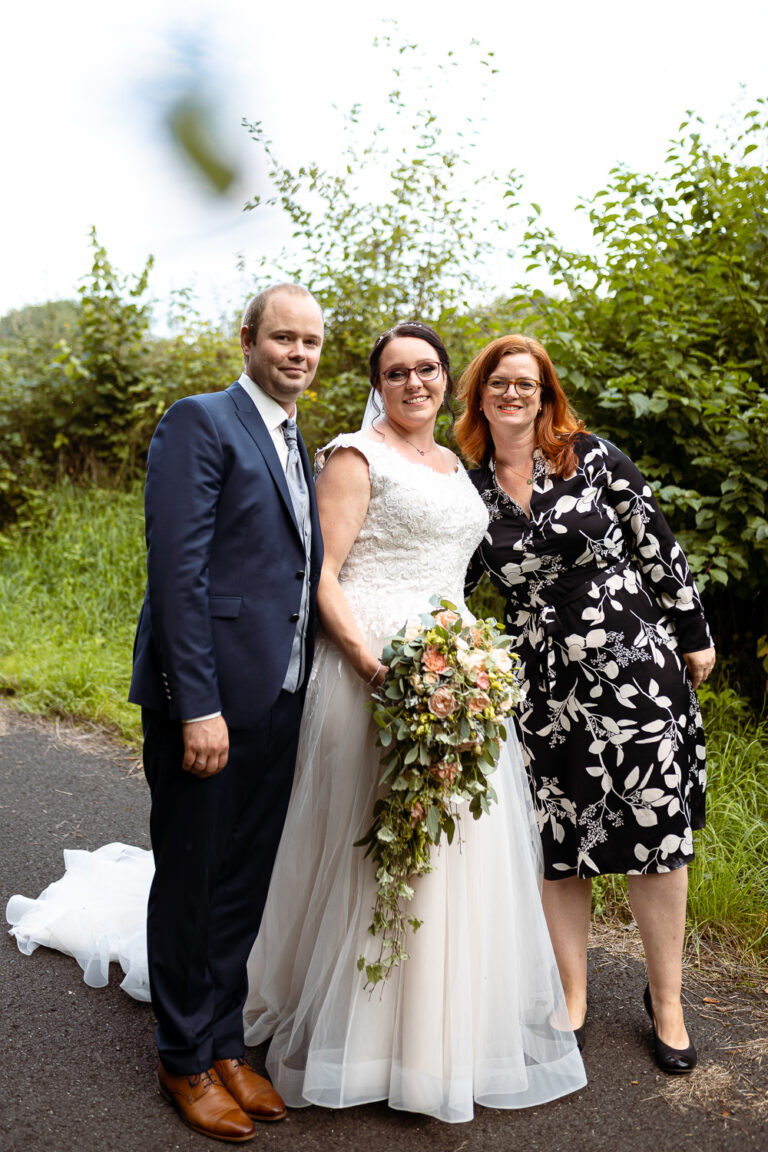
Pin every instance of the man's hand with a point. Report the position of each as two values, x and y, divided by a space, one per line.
206 746
699 664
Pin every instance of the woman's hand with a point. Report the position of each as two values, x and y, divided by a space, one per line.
699 664
379 676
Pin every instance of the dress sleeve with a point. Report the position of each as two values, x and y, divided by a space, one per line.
655 549
344 440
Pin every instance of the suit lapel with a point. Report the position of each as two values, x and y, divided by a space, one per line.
257 429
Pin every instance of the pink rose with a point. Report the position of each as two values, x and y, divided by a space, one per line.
444 770
434 660
473 661
442 702
483 680
417 814
446 617
477 703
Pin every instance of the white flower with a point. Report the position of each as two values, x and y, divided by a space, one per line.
471 660
413 629
501 659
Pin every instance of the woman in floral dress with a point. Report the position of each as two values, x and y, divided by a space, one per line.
613 642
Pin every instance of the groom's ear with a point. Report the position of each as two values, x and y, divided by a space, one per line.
245 339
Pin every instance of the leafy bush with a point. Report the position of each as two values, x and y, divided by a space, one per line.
393 233
661 342
82 386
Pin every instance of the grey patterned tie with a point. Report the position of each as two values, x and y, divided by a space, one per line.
294 474
297 486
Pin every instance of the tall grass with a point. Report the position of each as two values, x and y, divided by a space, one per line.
70 591
729 879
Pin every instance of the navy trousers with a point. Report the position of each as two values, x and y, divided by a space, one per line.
214 841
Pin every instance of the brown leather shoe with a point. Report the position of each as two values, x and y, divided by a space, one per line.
254 1094
204 1104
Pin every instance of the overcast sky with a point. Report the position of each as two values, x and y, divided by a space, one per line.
85 85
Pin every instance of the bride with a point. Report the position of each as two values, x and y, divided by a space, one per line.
477 1011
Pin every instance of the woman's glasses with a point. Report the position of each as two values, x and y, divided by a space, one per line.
427 371
523 387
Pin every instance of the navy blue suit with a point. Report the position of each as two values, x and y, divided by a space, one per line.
225 570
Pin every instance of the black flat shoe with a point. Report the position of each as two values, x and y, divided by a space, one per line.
581 1034
673 1061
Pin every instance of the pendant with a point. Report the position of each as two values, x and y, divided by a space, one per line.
530 482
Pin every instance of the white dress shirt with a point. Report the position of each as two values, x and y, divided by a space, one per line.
272 413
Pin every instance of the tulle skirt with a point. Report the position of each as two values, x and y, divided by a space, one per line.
96 912
476 1013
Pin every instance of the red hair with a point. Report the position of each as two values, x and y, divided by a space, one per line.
556 425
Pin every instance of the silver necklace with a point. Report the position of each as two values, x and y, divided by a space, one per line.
421 452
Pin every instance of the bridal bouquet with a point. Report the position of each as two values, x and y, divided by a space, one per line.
439 715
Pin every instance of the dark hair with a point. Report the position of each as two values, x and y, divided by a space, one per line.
556 425
419 331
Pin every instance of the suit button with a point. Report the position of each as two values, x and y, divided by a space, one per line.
300 575
294 617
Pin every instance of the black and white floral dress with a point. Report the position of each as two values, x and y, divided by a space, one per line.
602 604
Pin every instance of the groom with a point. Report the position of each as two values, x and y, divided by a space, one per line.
221 659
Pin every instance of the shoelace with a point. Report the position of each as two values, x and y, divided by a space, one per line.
203 1078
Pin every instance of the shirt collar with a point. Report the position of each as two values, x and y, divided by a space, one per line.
272 413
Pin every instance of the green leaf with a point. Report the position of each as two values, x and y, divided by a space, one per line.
433 823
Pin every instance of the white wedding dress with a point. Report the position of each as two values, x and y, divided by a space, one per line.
477 1012
473 1014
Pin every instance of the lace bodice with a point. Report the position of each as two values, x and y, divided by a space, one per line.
418 536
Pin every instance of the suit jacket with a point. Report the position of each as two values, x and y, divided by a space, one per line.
225 564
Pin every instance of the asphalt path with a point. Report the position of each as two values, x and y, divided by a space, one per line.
77 1066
